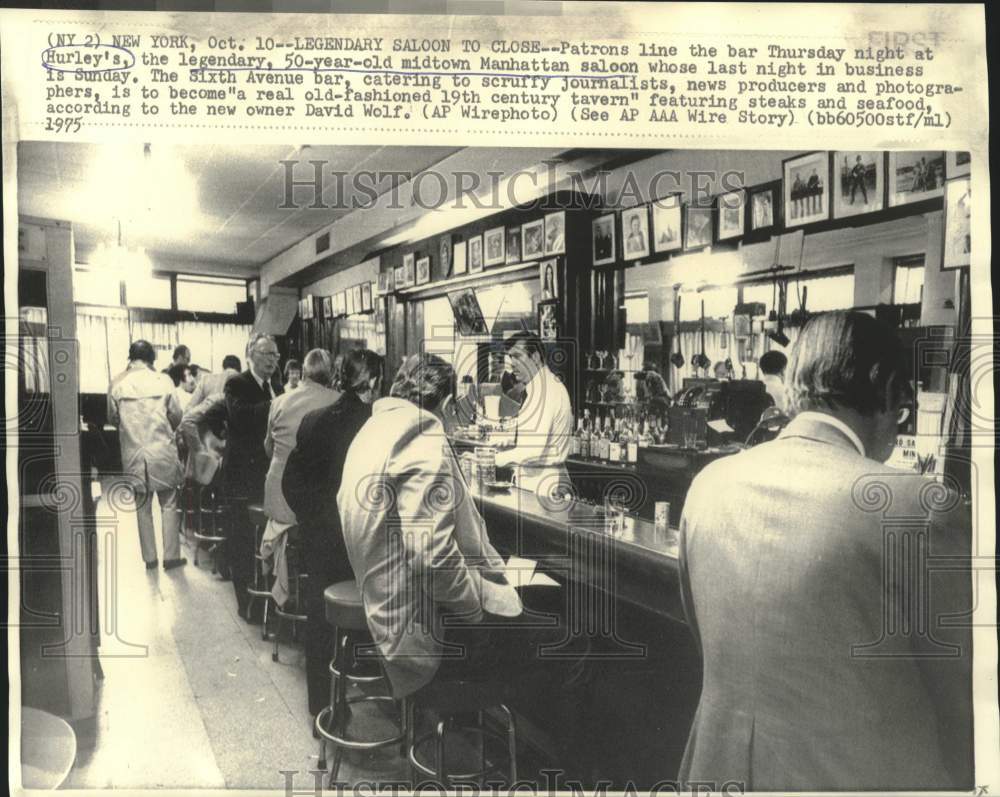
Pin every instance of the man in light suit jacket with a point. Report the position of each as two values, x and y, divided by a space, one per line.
836 657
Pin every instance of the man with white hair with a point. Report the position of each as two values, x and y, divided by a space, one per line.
835 658
287 412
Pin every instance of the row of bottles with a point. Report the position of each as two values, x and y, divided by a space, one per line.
616 439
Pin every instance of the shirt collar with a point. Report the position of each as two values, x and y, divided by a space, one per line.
836 423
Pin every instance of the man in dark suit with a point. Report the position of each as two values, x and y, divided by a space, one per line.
310 483
826 591
244 465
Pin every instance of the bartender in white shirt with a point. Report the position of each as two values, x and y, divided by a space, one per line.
544 422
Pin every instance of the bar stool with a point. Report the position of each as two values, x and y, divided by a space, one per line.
259 587
295 607
346 612
211 527
448 699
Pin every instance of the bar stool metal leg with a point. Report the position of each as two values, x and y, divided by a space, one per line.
442 774
511 742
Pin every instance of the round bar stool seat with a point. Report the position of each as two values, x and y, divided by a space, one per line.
447 699
345 610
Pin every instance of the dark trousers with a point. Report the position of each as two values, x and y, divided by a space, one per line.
240 552
319 646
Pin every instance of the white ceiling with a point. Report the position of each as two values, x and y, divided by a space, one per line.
229 222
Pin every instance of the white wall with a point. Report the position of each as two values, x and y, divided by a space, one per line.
348 278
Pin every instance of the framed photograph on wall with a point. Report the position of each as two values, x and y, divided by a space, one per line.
667 223
555 233
444 256
493 246
957 224
635 232
423 271
309 305
349 308
914 176
513 245
697 228
957 164
476 254
356 298
532 239
366 297
409 270
548 321
384 282
458 265
327 307
340 304
730 209
548 275
602 239
375 292
806 188
858 183
764 207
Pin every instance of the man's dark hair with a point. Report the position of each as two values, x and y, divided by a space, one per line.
142 350
357 369
424 379
195 369
772 363
293 365
231 361
532 343
176 373
181 351
846 359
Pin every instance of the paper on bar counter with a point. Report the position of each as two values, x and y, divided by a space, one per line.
523 572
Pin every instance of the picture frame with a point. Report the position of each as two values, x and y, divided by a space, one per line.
548 277
548 320
555 233
957 164
697 227
957 224
444 256
730 215
805 195
340 304
349 309
356 298
308 307
423 271
475 254
409 270
668 223
764 207
513 254
532 239
602 240
375 292
458 264
366 297
915 176
398 278
494 247
858 179
327 307
384 282
635 232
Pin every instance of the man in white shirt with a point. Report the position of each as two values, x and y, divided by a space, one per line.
544 422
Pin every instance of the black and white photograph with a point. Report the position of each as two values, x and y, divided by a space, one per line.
493 245
603 239
806 197
305 551
667 223
635 232
475 254
730 209
513 253
548 274
423 270
555 233
958 223
915 176
532 239
444 256
859 183
697 227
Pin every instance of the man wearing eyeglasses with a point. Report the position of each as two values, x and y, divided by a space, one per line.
244 466
832 659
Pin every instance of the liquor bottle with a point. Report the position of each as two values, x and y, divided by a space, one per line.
614 440
632 445
585 436
604 442
574 439
645 438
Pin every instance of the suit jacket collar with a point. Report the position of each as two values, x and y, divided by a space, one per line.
808 427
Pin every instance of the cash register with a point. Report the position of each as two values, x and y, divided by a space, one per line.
715 412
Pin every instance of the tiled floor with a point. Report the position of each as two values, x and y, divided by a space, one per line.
191 697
